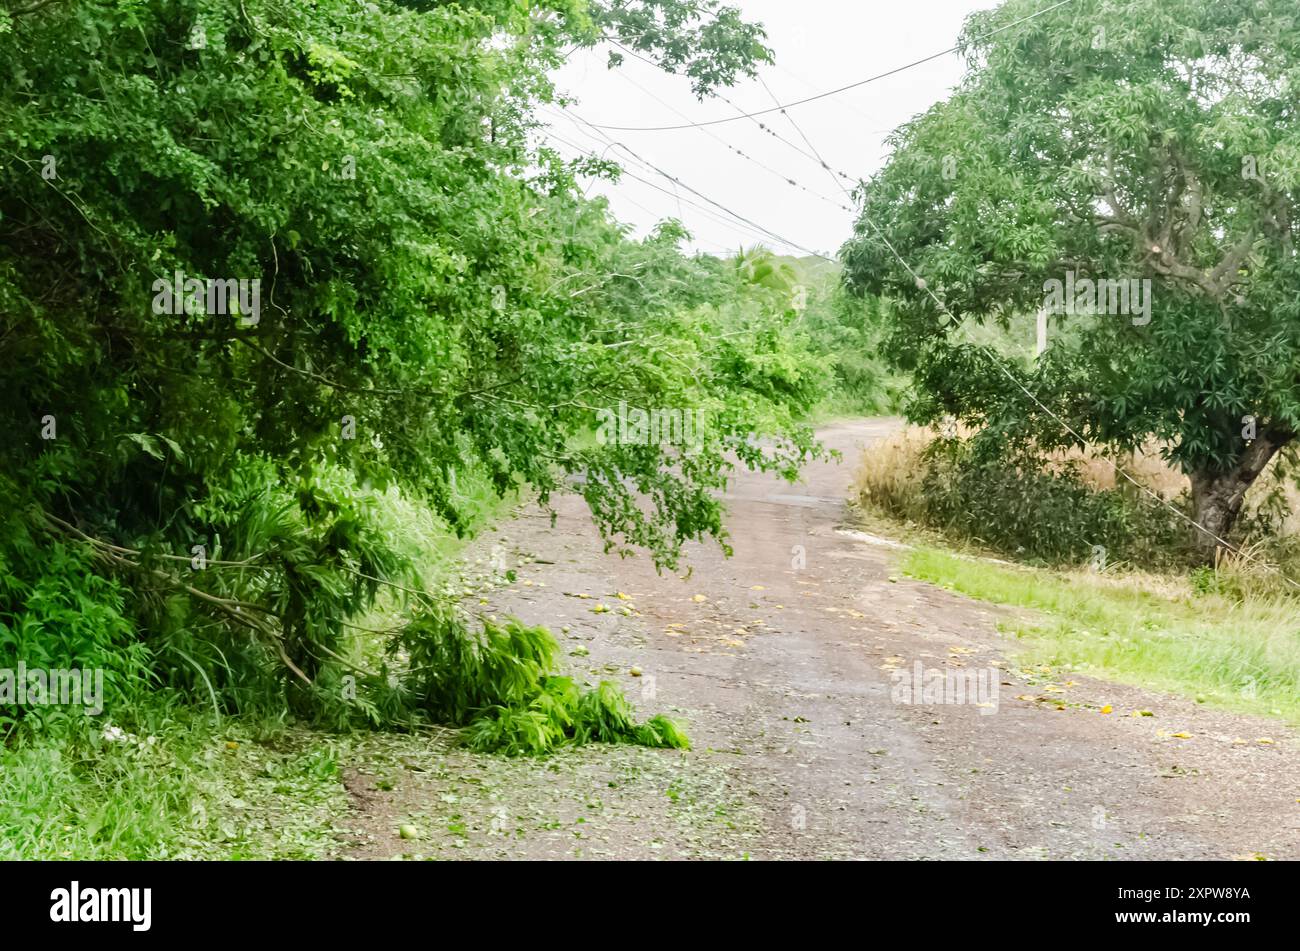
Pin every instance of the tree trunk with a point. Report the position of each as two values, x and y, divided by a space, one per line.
1217 495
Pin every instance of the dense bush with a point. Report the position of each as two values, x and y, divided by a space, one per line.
1020 505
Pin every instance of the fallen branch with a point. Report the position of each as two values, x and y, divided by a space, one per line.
233 608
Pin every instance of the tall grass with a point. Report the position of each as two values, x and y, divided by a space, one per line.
179 789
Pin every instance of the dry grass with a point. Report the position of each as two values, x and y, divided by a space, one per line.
889 481
1097 469
888 477
891 471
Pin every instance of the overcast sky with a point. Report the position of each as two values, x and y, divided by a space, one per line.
819 45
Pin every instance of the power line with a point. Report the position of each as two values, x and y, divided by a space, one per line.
781 175
752 232
693 191
673 178
756 231
822 161
834 92
741 114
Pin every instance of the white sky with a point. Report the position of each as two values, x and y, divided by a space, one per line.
819 45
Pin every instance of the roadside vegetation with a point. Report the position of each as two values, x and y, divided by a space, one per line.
1154 435
293 297
1106 569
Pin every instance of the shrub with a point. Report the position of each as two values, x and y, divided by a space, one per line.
1024 506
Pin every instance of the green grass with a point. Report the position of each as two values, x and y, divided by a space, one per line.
1238 655
192 792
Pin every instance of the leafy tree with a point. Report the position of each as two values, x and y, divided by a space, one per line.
428 300
1129 141
704 40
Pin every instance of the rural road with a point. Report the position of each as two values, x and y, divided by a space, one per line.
779 662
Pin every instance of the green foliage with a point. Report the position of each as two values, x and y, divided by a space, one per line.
846 331
204 501
71 617
1149 140
701 39
501 686
1048 517
850 332
1016 505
